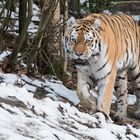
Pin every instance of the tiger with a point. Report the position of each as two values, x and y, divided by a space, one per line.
106 52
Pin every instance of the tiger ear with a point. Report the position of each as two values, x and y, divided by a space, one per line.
71 22
97 24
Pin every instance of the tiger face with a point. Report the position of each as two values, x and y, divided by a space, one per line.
82 41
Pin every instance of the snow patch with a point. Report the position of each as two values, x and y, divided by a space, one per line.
27 118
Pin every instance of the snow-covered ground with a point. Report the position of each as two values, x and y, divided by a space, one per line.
53 117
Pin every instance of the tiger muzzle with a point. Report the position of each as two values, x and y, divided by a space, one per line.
80 62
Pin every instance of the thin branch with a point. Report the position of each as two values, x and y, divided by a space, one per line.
20 39
53 70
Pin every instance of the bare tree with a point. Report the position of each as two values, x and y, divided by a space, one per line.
74 8
45 33
5 20
44 51
22 32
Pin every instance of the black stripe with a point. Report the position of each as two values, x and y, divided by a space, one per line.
130 38
127 53
103 77
119 101
103 66
121 95
121 104
89 85
122 78
81 94
137 88
99 46
92 79
116 87
108 20
133 68
137 76
106 52
74 27
132 51
93 34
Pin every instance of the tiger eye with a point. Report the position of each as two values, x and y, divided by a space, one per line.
73 39
87 41
90 38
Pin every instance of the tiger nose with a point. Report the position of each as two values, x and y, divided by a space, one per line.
78 54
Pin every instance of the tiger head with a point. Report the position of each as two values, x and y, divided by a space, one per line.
82 40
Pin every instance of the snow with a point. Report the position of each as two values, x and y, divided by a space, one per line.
136 17
82 1
51 86
13 28
53 117
27 118
131 99
4 54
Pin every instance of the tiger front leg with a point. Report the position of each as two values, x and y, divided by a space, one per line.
137 112
86 92
121 94
105 92
135 71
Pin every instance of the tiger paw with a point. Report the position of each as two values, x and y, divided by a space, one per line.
99 108
137 114
119 117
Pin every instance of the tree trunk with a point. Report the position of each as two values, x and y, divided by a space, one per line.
57 36
22 22
21 37
54 47
5 19
22 14
47 10
66 9
74 8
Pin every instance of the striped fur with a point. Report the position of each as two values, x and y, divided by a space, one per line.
110 44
